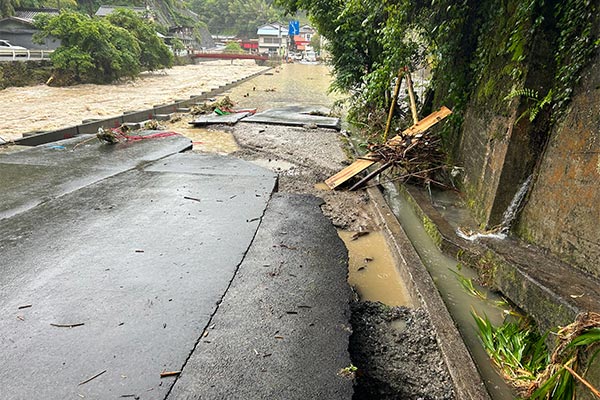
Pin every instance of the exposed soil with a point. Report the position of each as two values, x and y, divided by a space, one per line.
396 353
304 158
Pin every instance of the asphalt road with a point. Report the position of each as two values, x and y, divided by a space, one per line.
115 261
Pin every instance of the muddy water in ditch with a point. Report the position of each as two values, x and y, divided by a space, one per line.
458 301
372 271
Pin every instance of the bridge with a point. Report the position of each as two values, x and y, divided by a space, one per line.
230 56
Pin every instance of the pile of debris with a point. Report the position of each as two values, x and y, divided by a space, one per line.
415 151
208 107
416 157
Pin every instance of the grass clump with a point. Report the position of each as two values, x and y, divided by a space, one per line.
522 357
518 351
578 346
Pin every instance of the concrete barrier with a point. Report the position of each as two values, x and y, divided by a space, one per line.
92 127
161 110
47 137
138 116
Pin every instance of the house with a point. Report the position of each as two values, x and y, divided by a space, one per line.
307 32
303 38
273 39
19 29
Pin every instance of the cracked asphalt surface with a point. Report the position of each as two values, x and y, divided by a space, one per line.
116 275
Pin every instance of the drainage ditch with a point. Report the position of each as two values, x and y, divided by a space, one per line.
447 275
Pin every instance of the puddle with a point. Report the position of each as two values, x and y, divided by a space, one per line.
372 270
206 140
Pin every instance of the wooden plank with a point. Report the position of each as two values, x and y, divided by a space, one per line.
355 168
373 174
427 122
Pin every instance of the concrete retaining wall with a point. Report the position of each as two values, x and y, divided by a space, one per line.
564 204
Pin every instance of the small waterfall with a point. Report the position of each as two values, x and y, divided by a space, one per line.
511 212
507 218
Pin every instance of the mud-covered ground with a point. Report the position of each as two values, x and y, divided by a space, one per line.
396 353
394 348
304 158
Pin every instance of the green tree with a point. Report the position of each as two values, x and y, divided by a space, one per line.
92 50
154 53
7 8
235 17
315 42
233 48
365 50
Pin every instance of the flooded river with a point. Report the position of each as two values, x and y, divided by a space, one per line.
41 107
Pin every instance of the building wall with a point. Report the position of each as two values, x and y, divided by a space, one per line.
20 34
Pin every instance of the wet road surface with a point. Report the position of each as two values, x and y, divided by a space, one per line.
140 259
109 279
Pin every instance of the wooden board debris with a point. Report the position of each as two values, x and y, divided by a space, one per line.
352 170
365 162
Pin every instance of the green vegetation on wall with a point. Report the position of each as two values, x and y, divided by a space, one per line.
235 17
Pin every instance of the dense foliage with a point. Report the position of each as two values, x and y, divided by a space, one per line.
235 17
154 54
7 7
476 50
96 50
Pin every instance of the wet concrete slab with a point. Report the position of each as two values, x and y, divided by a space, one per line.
141 258
282 329
38 174
296 116
214 119
207 164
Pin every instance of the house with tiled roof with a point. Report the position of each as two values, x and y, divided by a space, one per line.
19 29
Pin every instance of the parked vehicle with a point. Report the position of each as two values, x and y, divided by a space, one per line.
310 56
5 45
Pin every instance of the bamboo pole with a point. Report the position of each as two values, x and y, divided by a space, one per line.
411 96
393 105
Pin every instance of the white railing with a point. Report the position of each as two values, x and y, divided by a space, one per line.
24 55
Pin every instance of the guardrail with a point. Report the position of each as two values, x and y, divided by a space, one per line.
24 55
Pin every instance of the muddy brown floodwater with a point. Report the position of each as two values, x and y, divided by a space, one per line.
41 107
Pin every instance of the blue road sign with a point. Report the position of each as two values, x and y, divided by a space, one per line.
294 28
